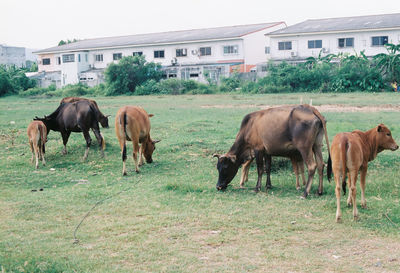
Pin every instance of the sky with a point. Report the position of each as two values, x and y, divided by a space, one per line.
42 24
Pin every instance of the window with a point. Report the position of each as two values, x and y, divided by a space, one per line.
379 40
158 53
231 49
267 50
346 42
285 45
98 57
86 58
117 56
58 60
315 44
137 53
194 75
68 58
79 58
205 51
181 52
46 61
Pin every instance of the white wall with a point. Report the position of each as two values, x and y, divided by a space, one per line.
362 41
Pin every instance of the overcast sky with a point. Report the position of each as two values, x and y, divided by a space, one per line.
43 23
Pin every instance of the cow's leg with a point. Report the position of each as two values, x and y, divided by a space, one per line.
88 142
300 166
245 172
320 165
296 172
100 140
311 166
362 183
32 150
349 202
337 174
65 136
352 191
260 168
135 153
268 162
36 149
122 144
141 150
42 152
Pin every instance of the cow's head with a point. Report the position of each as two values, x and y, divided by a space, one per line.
384 139
104 121
148 151
227 168
47 122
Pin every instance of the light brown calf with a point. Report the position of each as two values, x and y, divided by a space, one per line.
132 123
350 153
37 135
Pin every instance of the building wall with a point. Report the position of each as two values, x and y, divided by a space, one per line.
53 66
362 41
11 55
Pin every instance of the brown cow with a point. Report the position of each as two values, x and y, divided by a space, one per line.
288 131
132 123
351 153
37 135
298 168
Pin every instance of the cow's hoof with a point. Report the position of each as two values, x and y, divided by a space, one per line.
349 204
269 186
355 218
319 193
364 206
305 194
298 188
339 219
137 171
124 174
256 190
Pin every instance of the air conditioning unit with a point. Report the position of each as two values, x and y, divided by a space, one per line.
293 54
194 52
325 50
174 61
184 51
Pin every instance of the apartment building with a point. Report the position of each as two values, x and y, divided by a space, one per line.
334 35
188 54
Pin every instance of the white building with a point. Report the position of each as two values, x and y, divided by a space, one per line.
348 35
188 54
12 55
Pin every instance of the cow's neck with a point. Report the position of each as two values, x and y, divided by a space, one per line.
372 144
241 151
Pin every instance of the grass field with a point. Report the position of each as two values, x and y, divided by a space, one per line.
169 217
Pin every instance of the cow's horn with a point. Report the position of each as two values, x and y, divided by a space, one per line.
151 115
217 155
156 141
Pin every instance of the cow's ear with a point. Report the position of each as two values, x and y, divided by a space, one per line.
156 141
379 128
151 115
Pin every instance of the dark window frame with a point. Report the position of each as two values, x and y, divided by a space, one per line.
379 40
68 58
314 44
137 53
205 51
46 61
181 52
159 54
346 42
286 45
117 56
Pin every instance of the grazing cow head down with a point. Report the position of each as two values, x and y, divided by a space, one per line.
385 140
148 152
227 169
104 121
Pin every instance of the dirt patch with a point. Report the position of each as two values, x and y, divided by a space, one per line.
321 108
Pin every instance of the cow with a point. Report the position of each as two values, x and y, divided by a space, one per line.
79 116
132 123
100 117
288 131
37 135
297 164
350 153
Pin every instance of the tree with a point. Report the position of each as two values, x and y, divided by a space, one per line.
389 62
129 72
62 42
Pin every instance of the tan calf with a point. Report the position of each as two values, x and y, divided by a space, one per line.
132 123
350 153
37 135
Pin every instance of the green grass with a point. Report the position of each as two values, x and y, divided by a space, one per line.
169 217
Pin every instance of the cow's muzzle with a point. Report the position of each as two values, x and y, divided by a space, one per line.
395 148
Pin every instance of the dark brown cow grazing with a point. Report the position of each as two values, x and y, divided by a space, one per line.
351 153
288 131
297 164
132 123
79 116
37 135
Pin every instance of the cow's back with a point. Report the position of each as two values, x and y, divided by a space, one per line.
137 121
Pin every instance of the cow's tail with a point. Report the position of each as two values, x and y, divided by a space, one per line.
43 137
322 119
123 121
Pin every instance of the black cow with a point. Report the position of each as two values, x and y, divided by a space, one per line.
79 116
